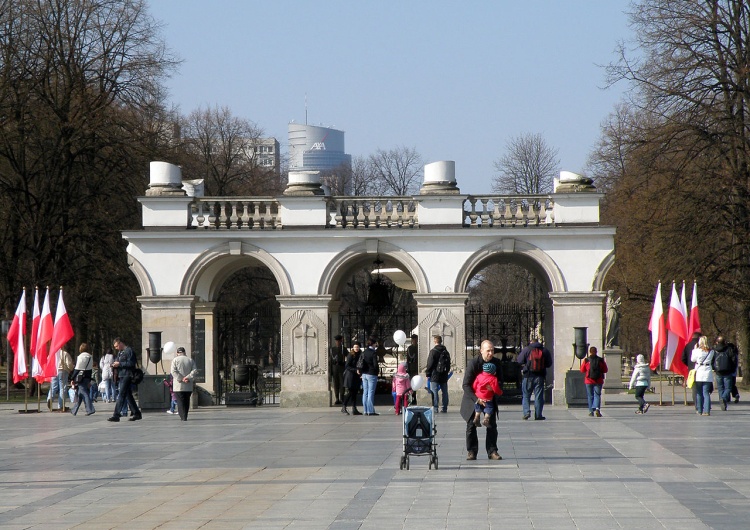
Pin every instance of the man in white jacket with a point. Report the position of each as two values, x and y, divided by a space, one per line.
183 373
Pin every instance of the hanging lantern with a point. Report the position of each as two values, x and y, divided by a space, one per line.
379 295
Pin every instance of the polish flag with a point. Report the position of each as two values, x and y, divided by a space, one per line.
676 334
694 325
44 335
36 367
16 337
658 331
61 334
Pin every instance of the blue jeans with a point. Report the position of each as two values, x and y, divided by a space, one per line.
443 388
594 396
125 395
724 385
58 385
703 396
369 382
533 383
83 394
109 390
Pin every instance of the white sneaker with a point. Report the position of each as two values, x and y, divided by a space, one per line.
170 412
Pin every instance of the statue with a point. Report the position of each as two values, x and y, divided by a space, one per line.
612 335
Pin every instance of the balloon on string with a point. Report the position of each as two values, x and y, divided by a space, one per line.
416 382
169 348
399 337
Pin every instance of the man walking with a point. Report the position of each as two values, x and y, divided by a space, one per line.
438 369
534 360
183 372
724 365
473 369
125 364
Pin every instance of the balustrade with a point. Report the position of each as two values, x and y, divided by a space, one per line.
372 212
512 211
223 213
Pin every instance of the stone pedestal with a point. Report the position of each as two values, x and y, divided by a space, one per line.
153 394
575 389
613 379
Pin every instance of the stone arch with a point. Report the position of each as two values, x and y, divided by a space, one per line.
211 269
342 263
533 258
142 276
602 271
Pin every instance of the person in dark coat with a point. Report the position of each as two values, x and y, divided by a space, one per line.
438 381
473 368
336 361
533 381
351 380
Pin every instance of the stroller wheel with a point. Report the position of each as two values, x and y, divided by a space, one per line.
403 462
436 462
407 463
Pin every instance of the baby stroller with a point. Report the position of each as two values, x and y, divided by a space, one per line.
419 435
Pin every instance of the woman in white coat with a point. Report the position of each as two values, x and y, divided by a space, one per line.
183 373
641 380
704 376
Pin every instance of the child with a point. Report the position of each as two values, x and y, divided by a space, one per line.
641 379
486 388
173 398
401 386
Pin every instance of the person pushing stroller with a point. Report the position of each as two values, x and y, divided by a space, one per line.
486 388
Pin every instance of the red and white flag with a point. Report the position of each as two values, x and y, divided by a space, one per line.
694 325
36 367
61 334
658 330
676 333
44 335
16 337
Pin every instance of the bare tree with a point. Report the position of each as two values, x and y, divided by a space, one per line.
681 188
397 171
528 166
222 149
80 95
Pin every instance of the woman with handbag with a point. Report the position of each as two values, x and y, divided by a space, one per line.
702 356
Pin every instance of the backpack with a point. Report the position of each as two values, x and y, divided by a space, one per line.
443 365
536 360
722 362
137 376
595 371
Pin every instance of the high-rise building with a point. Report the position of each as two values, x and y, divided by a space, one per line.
312 147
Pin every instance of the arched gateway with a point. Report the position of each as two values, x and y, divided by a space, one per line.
311 243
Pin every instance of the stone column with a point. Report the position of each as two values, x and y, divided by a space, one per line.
173 316
443 314
573 309
205 311
304 350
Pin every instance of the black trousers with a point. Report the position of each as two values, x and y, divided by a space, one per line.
351 397
125 393
183 404
490 441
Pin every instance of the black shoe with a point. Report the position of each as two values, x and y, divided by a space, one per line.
723 405
471 455
337 402
494 456
135 418
355 412
737 398
344 411
90 413
527 416
114 418
374 414
540 418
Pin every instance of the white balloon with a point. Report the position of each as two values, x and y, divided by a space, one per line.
169 348
399 338
416 382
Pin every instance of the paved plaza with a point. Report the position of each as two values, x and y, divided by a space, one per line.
272 468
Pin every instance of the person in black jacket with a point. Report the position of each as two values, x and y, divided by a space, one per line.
125 364
351 380
474 368
336 361
724 365
369 375
438 380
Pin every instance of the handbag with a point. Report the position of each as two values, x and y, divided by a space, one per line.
690 378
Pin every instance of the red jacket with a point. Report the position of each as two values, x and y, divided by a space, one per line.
602 368
485 386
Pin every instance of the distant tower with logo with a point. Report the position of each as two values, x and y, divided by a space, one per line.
314 148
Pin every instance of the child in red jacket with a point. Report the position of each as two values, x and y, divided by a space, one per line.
486 388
